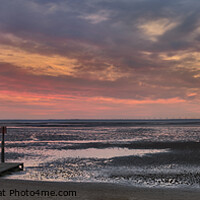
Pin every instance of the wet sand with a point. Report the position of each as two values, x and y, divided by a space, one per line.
89 191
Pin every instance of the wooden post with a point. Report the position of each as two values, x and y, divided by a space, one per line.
3 130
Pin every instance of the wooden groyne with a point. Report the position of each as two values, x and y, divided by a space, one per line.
6 168
10 167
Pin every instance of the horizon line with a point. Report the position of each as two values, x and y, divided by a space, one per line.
106 119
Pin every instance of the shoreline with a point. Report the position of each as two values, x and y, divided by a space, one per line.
93 191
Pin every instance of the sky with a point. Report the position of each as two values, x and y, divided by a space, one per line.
99 59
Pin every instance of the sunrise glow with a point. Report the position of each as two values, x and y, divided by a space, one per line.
103 60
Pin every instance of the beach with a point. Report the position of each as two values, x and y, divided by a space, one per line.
91 191
99 160
130 152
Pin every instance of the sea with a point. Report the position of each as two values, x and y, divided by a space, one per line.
143 153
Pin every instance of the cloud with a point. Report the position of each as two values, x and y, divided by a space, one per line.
36 63
156 28
126 51
96 18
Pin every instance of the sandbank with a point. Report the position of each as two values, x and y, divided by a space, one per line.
23 189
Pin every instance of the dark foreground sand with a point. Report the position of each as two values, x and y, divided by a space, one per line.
89 191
